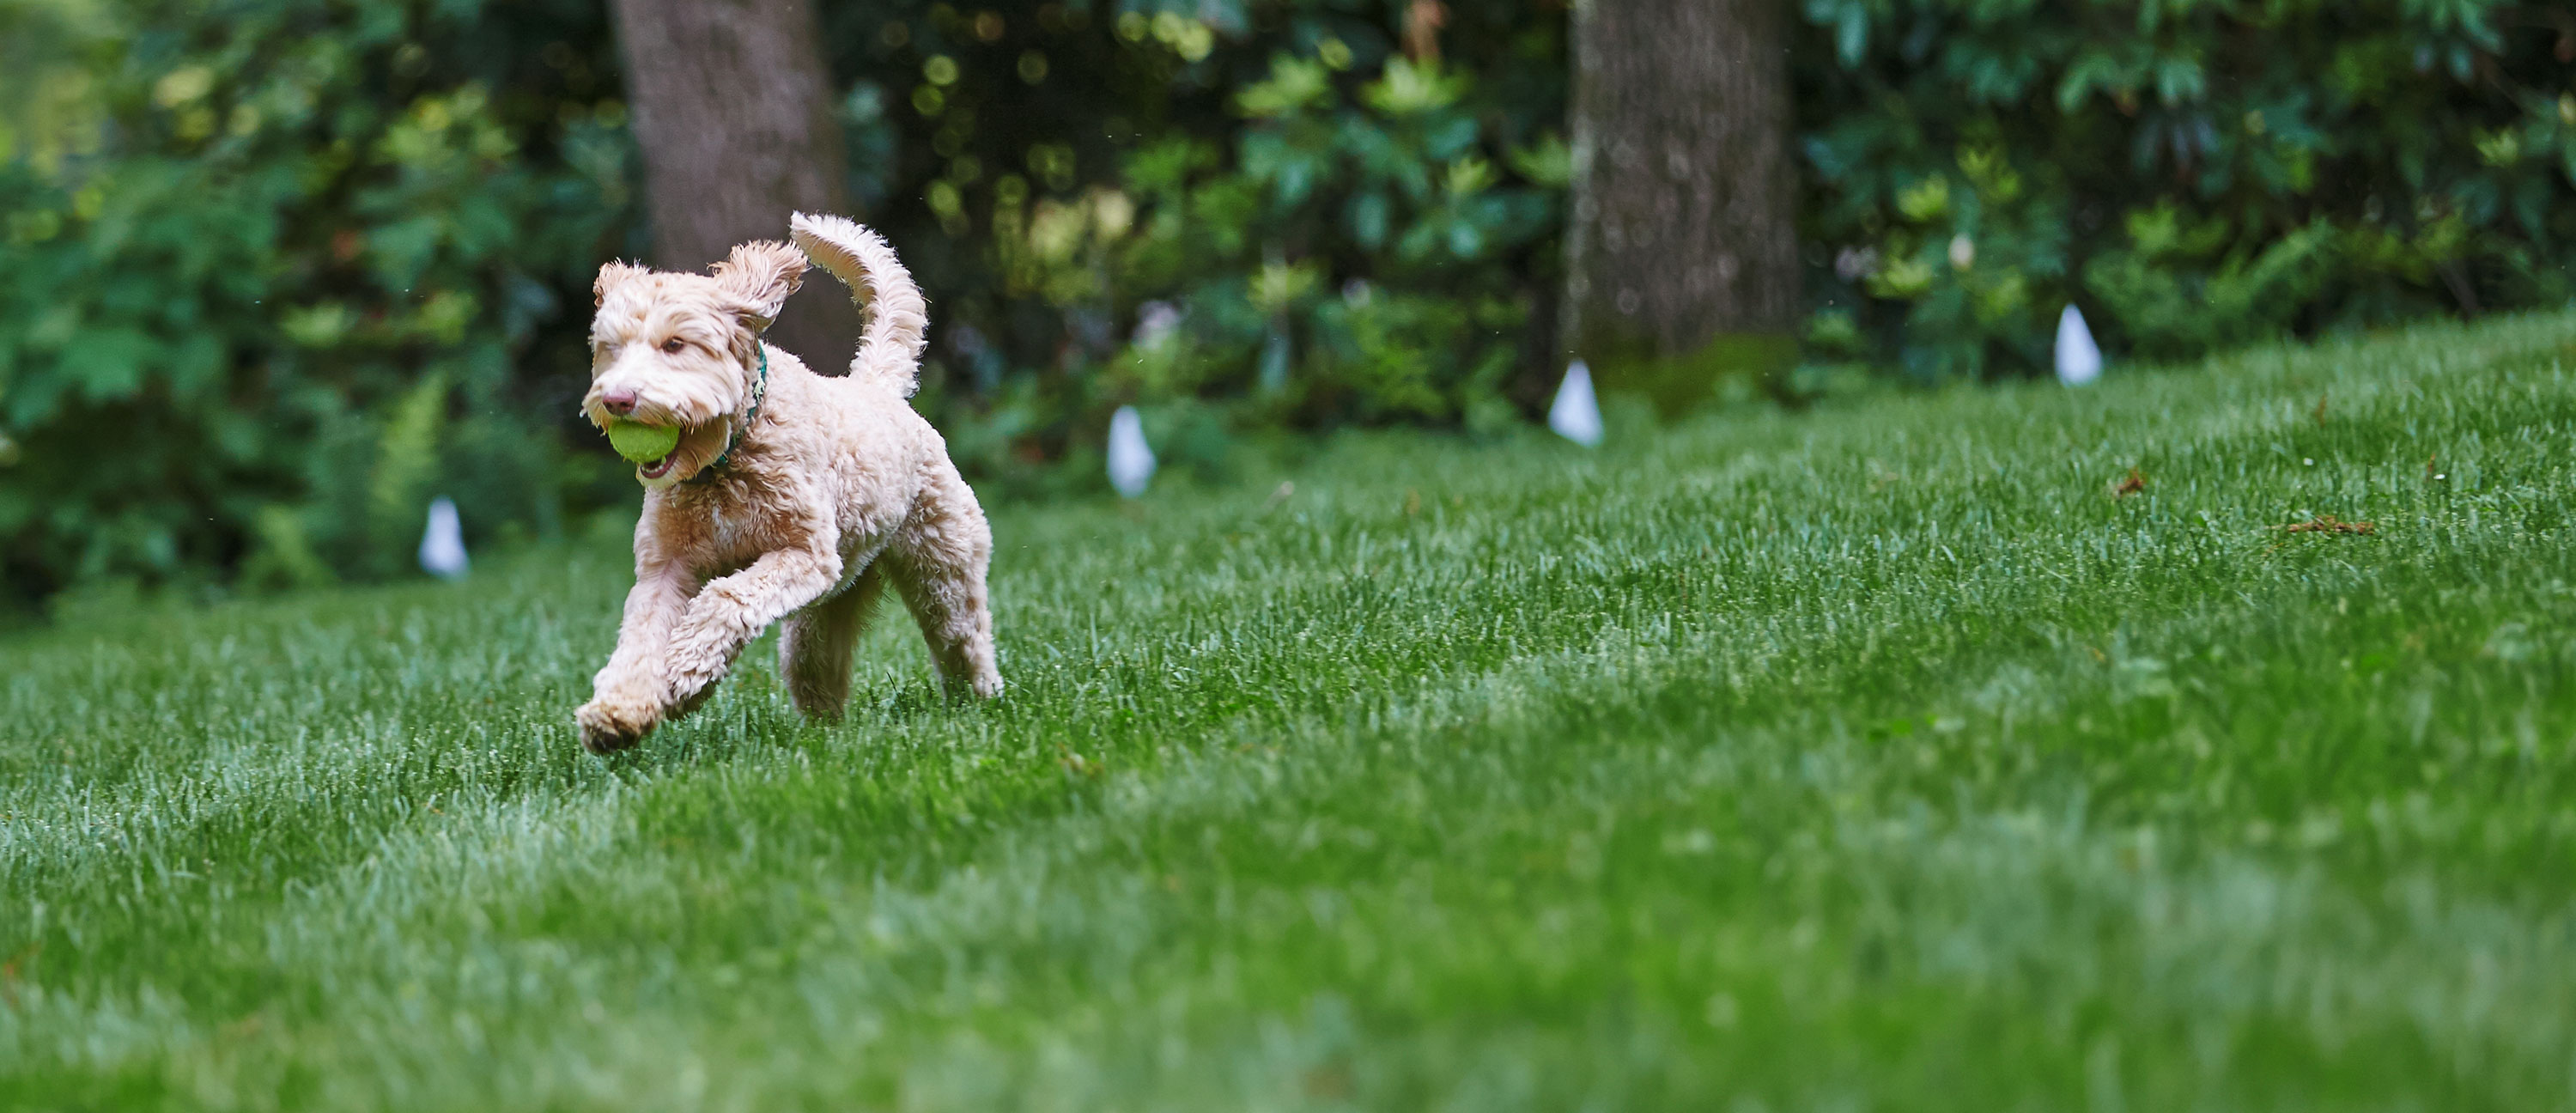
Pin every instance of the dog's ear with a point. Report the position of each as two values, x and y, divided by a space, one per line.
761 274
611 276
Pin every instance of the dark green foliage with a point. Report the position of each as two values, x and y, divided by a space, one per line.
1235 214
2192 174
278 273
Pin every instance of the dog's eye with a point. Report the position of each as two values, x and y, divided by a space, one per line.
674 344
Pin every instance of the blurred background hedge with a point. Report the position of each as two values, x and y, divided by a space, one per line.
277 273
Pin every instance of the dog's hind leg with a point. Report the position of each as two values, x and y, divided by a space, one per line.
814 646
938 566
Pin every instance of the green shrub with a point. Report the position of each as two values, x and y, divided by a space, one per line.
1234 215
2192 174
280 272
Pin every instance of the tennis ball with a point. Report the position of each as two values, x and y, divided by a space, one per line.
642 443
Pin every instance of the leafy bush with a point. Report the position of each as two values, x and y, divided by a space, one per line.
2191 174
1338 264
1233 214
275 272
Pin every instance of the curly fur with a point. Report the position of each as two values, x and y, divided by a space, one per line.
890 346
836 488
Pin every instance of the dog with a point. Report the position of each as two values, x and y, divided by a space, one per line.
790 495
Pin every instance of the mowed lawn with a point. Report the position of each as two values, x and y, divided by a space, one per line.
1879 757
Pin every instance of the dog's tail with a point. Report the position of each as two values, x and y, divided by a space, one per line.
890 346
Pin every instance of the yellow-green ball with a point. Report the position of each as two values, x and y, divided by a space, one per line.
642 443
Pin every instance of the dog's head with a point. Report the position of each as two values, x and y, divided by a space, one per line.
679 350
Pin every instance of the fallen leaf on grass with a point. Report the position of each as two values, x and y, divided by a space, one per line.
1330 1083
2136 482
1074 763
2328 523
9 972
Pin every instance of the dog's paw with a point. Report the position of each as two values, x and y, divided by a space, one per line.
608 726
699 655
697 661
973 685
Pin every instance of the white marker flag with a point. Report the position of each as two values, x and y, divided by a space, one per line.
442 547
1576 414
2079 361
1131 460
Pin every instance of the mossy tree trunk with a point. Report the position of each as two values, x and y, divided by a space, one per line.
733 110
1681 249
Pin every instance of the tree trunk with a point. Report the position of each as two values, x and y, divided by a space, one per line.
732 108
1681 249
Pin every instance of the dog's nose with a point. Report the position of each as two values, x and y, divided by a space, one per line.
619 402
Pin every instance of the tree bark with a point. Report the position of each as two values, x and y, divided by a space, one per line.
1681 247
732 108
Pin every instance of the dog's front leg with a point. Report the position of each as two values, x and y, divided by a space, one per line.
735 609
627 697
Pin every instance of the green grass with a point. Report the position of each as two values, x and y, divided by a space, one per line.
1875 758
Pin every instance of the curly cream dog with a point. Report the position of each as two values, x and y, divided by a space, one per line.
790 495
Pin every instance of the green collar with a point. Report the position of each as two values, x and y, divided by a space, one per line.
759 391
